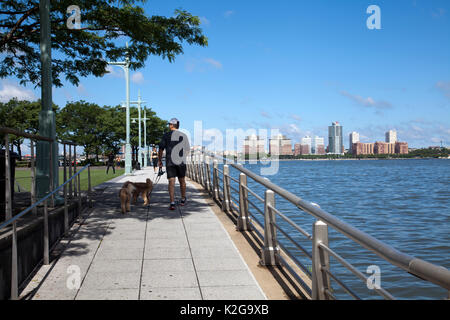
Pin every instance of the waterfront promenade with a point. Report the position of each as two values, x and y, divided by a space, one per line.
151 253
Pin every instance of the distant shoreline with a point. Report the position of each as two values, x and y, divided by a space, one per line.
344 159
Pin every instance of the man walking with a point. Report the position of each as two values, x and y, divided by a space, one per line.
110 163
177 148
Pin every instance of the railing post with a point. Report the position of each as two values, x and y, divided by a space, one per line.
14 265
89 187
226 189
200 169
243 223
33 178
51 176
75 169
79 194
46 236
270 250
208 176
70 171
8 215
320 260
8 197
215 180
66 209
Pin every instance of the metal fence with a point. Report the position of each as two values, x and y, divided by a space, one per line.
74 191
236 201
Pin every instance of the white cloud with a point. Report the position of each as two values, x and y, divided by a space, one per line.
11 90
228 13
444 87
204 21
202 65
115 71
137 77
368 102
216 64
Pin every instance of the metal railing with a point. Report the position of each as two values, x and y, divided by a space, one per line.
10 220
199 170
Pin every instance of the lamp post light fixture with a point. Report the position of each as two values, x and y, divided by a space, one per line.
125 65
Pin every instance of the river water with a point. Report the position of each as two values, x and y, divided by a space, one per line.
404 203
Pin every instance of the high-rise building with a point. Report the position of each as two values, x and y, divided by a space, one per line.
391 136
306 145
280 145
317 145
353 138
254 145
335 139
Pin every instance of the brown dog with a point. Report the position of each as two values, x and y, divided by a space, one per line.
125 194
144 189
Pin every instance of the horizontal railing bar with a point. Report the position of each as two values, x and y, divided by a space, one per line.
296 276
292 223
295 259
418 267
254 194
233 179
254 206
355 271
24 134
293 241
234 189
256 220
343 286
22 213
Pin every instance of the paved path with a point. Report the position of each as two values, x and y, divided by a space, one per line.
150 253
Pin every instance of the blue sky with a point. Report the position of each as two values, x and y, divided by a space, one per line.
296 66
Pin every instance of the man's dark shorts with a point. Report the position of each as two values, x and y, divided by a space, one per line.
176 171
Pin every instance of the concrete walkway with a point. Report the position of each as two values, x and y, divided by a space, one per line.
151 253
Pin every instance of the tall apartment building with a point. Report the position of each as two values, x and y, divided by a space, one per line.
353 138
401 147
280 145
378 147
359 148
253 145
317 145
306 143
391 136
384 148
335 139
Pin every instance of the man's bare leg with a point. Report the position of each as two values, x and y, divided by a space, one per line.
172 190
182 182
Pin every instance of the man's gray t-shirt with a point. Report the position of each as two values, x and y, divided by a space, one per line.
177 147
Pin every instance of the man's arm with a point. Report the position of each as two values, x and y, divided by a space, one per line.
162 146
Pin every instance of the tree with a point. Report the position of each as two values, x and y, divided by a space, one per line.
80 122
23 116
85 51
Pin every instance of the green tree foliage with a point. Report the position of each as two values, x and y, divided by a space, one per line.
79 122
85 51
20 115
100 130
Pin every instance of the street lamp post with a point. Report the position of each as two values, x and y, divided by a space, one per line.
139 102
145 137
125 65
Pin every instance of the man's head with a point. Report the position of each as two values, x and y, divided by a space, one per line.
174 124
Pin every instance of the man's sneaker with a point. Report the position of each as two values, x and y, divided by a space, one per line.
172 206
183 202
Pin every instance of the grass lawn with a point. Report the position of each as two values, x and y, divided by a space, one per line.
98 176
